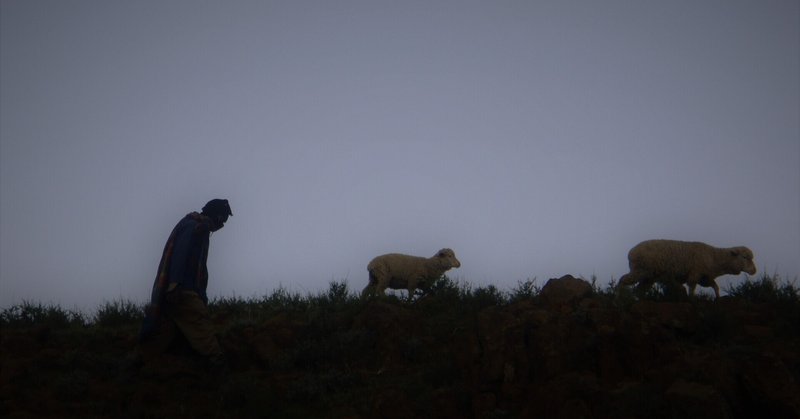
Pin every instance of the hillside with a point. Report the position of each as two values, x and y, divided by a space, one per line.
566 350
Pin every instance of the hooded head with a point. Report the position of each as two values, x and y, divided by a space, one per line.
218 211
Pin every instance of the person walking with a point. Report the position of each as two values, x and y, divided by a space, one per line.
178 301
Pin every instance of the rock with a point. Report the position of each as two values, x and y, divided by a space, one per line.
564 290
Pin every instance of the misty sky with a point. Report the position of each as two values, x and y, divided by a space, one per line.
534 138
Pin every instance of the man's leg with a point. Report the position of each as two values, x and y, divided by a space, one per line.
191 316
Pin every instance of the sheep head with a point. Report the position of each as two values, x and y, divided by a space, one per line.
742 260
447 259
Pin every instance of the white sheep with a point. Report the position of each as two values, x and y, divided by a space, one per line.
398 271
688 263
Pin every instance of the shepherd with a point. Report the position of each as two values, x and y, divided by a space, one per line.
178 301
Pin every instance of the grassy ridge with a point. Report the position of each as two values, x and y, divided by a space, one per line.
457 351
766 289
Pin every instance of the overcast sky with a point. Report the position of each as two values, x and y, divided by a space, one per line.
534 138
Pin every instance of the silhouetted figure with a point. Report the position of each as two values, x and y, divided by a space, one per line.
179 304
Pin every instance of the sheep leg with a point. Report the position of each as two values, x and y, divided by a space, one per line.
644 283
704 281
692 286
376 286
412 287
368 291
715 287
710 283
673 287
380 285
373 290
370 288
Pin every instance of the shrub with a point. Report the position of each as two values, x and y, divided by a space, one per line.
483 297
337 296
444 286
525 290
231 306
281 299
27 314
338 292
118 313
765 290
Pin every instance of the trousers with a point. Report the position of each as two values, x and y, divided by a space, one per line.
185 313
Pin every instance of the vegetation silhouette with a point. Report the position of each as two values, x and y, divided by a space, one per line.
456 350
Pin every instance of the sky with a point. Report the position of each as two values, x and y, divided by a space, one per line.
534 138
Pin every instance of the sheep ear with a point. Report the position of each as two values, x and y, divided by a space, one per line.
734 252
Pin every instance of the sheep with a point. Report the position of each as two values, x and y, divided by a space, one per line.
398 271
690 263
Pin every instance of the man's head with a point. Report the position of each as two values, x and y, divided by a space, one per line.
218 211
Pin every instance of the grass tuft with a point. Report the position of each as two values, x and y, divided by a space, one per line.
766 290
525 290
29 314
118 313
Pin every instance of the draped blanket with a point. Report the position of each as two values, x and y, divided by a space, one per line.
154 309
